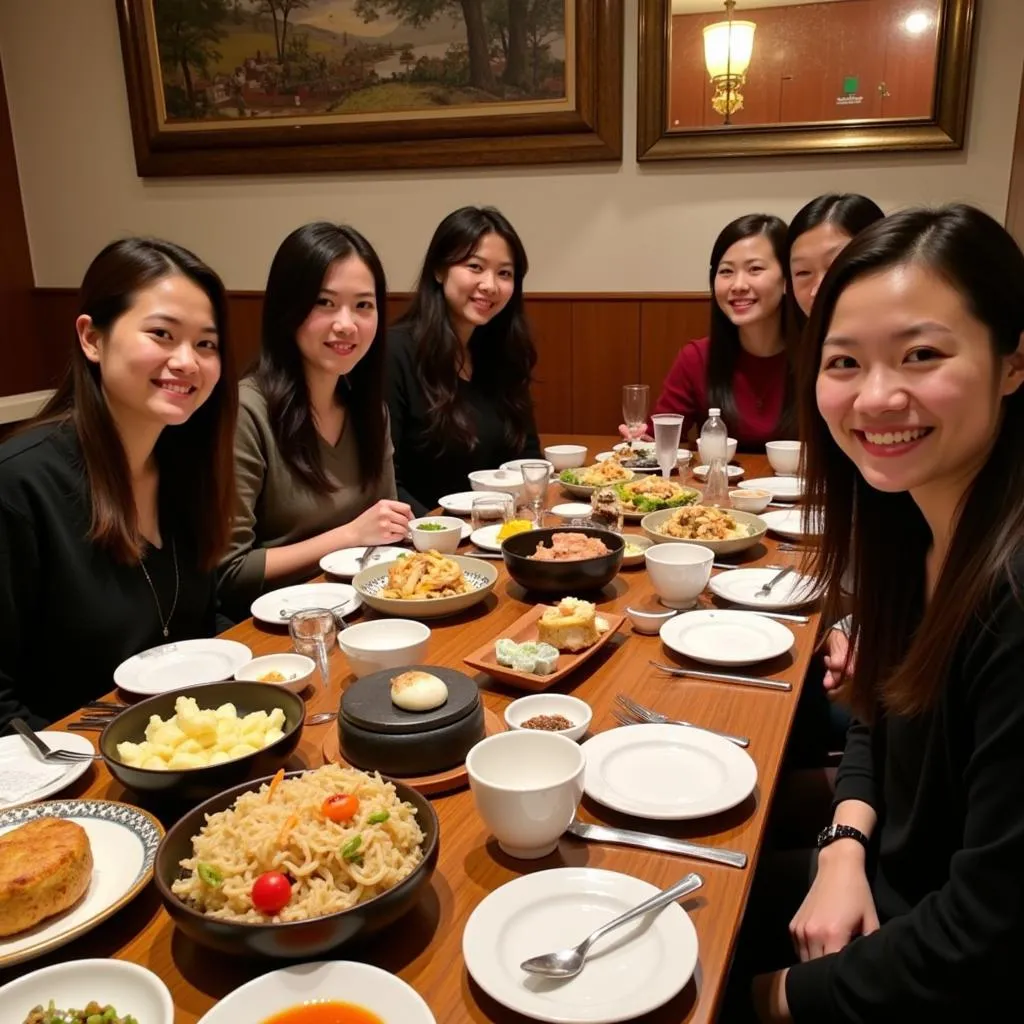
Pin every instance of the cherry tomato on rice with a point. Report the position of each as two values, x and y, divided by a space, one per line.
340 807
271 892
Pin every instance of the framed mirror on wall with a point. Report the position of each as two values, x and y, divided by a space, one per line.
724 78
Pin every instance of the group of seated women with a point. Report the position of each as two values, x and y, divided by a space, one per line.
155 492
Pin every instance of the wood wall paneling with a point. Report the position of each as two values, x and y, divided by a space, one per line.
553 399
605 355
1015 201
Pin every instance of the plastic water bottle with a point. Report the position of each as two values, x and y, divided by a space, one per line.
714 442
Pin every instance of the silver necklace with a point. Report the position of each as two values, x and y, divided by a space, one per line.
165 623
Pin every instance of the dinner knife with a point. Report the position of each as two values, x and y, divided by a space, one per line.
627 837
764 684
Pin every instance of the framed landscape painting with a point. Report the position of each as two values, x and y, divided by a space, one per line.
278 86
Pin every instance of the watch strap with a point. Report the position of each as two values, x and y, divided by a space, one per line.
833 832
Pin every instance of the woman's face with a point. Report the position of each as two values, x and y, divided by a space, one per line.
749 283
909 383
341 326
160 360
478 288
810 257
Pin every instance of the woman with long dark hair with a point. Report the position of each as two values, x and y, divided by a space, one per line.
115 503
461 360
817 234
313 450
743 366
912 414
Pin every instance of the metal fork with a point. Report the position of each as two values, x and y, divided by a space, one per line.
632 712
46 753
364 558
766 589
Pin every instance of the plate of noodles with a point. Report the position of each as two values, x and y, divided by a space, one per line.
723 530
426 584
298 864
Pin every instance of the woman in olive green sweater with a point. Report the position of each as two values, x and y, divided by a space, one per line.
313 452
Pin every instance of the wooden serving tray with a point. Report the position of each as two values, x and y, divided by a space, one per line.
524 630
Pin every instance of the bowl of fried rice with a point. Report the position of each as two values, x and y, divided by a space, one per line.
723 530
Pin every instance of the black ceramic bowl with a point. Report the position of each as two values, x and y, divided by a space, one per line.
194 784
561 577
295 939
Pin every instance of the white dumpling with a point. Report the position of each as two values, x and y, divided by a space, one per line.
418 691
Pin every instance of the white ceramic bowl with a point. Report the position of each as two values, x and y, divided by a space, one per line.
384 643
750 500
480 576
505 481
515 464
784 457
754 525
296 668
126 986
566 456
679 572
526 785
575 710
730 451
647 622
641 543
445 540
571 510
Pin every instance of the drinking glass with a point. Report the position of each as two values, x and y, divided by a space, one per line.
535 487
635 400
667 429
492 509
313 632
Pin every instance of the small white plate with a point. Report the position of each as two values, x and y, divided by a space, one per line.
126 986
381 992
345 562
781 488
667 772
635 970
726 637
339 597
185 663
19 761
733 472
486 538
788 522
461 504
123 840
740 586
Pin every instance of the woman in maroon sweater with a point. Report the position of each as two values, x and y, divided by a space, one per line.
742 367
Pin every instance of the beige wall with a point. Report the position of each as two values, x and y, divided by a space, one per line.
596 228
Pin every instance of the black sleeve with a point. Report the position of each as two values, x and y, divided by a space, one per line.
19 575
855 777
531 449
399 372
963 941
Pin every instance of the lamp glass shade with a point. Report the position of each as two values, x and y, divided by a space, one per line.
728 52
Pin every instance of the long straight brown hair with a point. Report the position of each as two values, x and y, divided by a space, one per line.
195 458
904 645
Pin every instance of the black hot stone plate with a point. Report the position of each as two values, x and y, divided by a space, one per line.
367 702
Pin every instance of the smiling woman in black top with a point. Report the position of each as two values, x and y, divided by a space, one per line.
912 413
461 359
115 505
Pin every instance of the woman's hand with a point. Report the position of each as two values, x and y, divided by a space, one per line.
839 906
769 995
384 523
838 660
628 435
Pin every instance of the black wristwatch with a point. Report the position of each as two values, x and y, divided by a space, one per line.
829 835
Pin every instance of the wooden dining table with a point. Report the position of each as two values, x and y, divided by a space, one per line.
425 947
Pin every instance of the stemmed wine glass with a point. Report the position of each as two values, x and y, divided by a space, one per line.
535 486
668 428
635 402
313 632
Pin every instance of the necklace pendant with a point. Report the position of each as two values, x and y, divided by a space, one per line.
166 632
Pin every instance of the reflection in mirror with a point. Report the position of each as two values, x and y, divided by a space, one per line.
788 62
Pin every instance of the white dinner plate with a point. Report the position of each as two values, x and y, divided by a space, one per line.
280 605
719 637
461 504
345 562
24 776
185 663
740 586
732 472
486 538
667 772
382 993
128 987
634 970
781 488
123 840
789 522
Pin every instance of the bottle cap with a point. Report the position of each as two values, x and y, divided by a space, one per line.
714 412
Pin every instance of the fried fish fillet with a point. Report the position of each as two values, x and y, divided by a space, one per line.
45 867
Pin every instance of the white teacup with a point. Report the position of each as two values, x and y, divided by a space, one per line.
679 572
784 457
527 786
445 540
730 451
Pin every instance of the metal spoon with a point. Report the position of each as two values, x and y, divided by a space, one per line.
321 717
567 963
